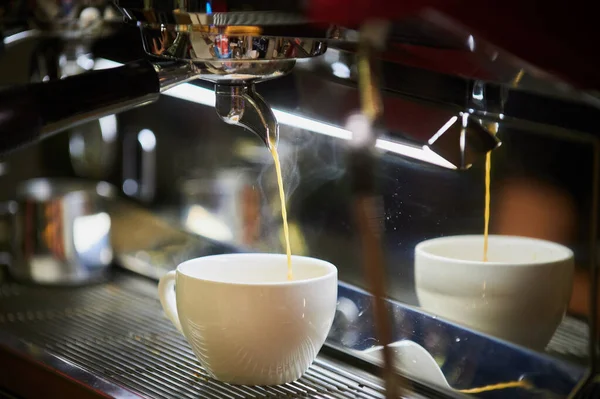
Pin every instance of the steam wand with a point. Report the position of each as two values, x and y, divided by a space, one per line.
367 204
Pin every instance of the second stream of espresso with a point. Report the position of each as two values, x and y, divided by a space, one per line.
286 230
486 215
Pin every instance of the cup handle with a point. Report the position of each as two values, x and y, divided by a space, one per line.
168 300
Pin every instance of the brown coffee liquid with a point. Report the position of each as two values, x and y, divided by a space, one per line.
286 230
486 225
496 387
486 215
488 168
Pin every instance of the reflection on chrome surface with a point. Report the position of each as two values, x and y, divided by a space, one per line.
60 231
468 360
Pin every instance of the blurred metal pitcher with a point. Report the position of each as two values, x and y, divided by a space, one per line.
60 231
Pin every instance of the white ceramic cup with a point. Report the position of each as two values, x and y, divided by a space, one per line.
244 320
519 295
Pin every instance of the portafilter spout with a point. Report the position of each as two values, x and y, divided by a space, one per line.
242 105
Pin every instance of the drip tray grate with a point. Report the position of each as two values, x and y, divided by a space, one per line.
571 341
118 332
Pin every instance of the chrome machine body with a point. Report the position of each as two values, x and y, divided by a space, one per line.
434 90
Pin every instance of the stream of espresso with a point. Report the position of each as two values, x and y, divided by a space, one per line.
486 217
488 168
286 230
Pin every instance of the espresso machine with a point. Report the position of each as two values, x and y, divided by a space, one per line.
382 113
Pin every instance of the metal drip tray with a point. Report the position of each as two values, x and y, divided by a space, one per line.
117 332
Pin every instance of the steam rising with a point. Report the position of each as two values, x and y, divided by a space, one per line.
306 158
308 161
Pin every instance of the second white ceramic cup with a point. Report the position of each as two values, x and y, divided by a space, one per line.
244 320
520 295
